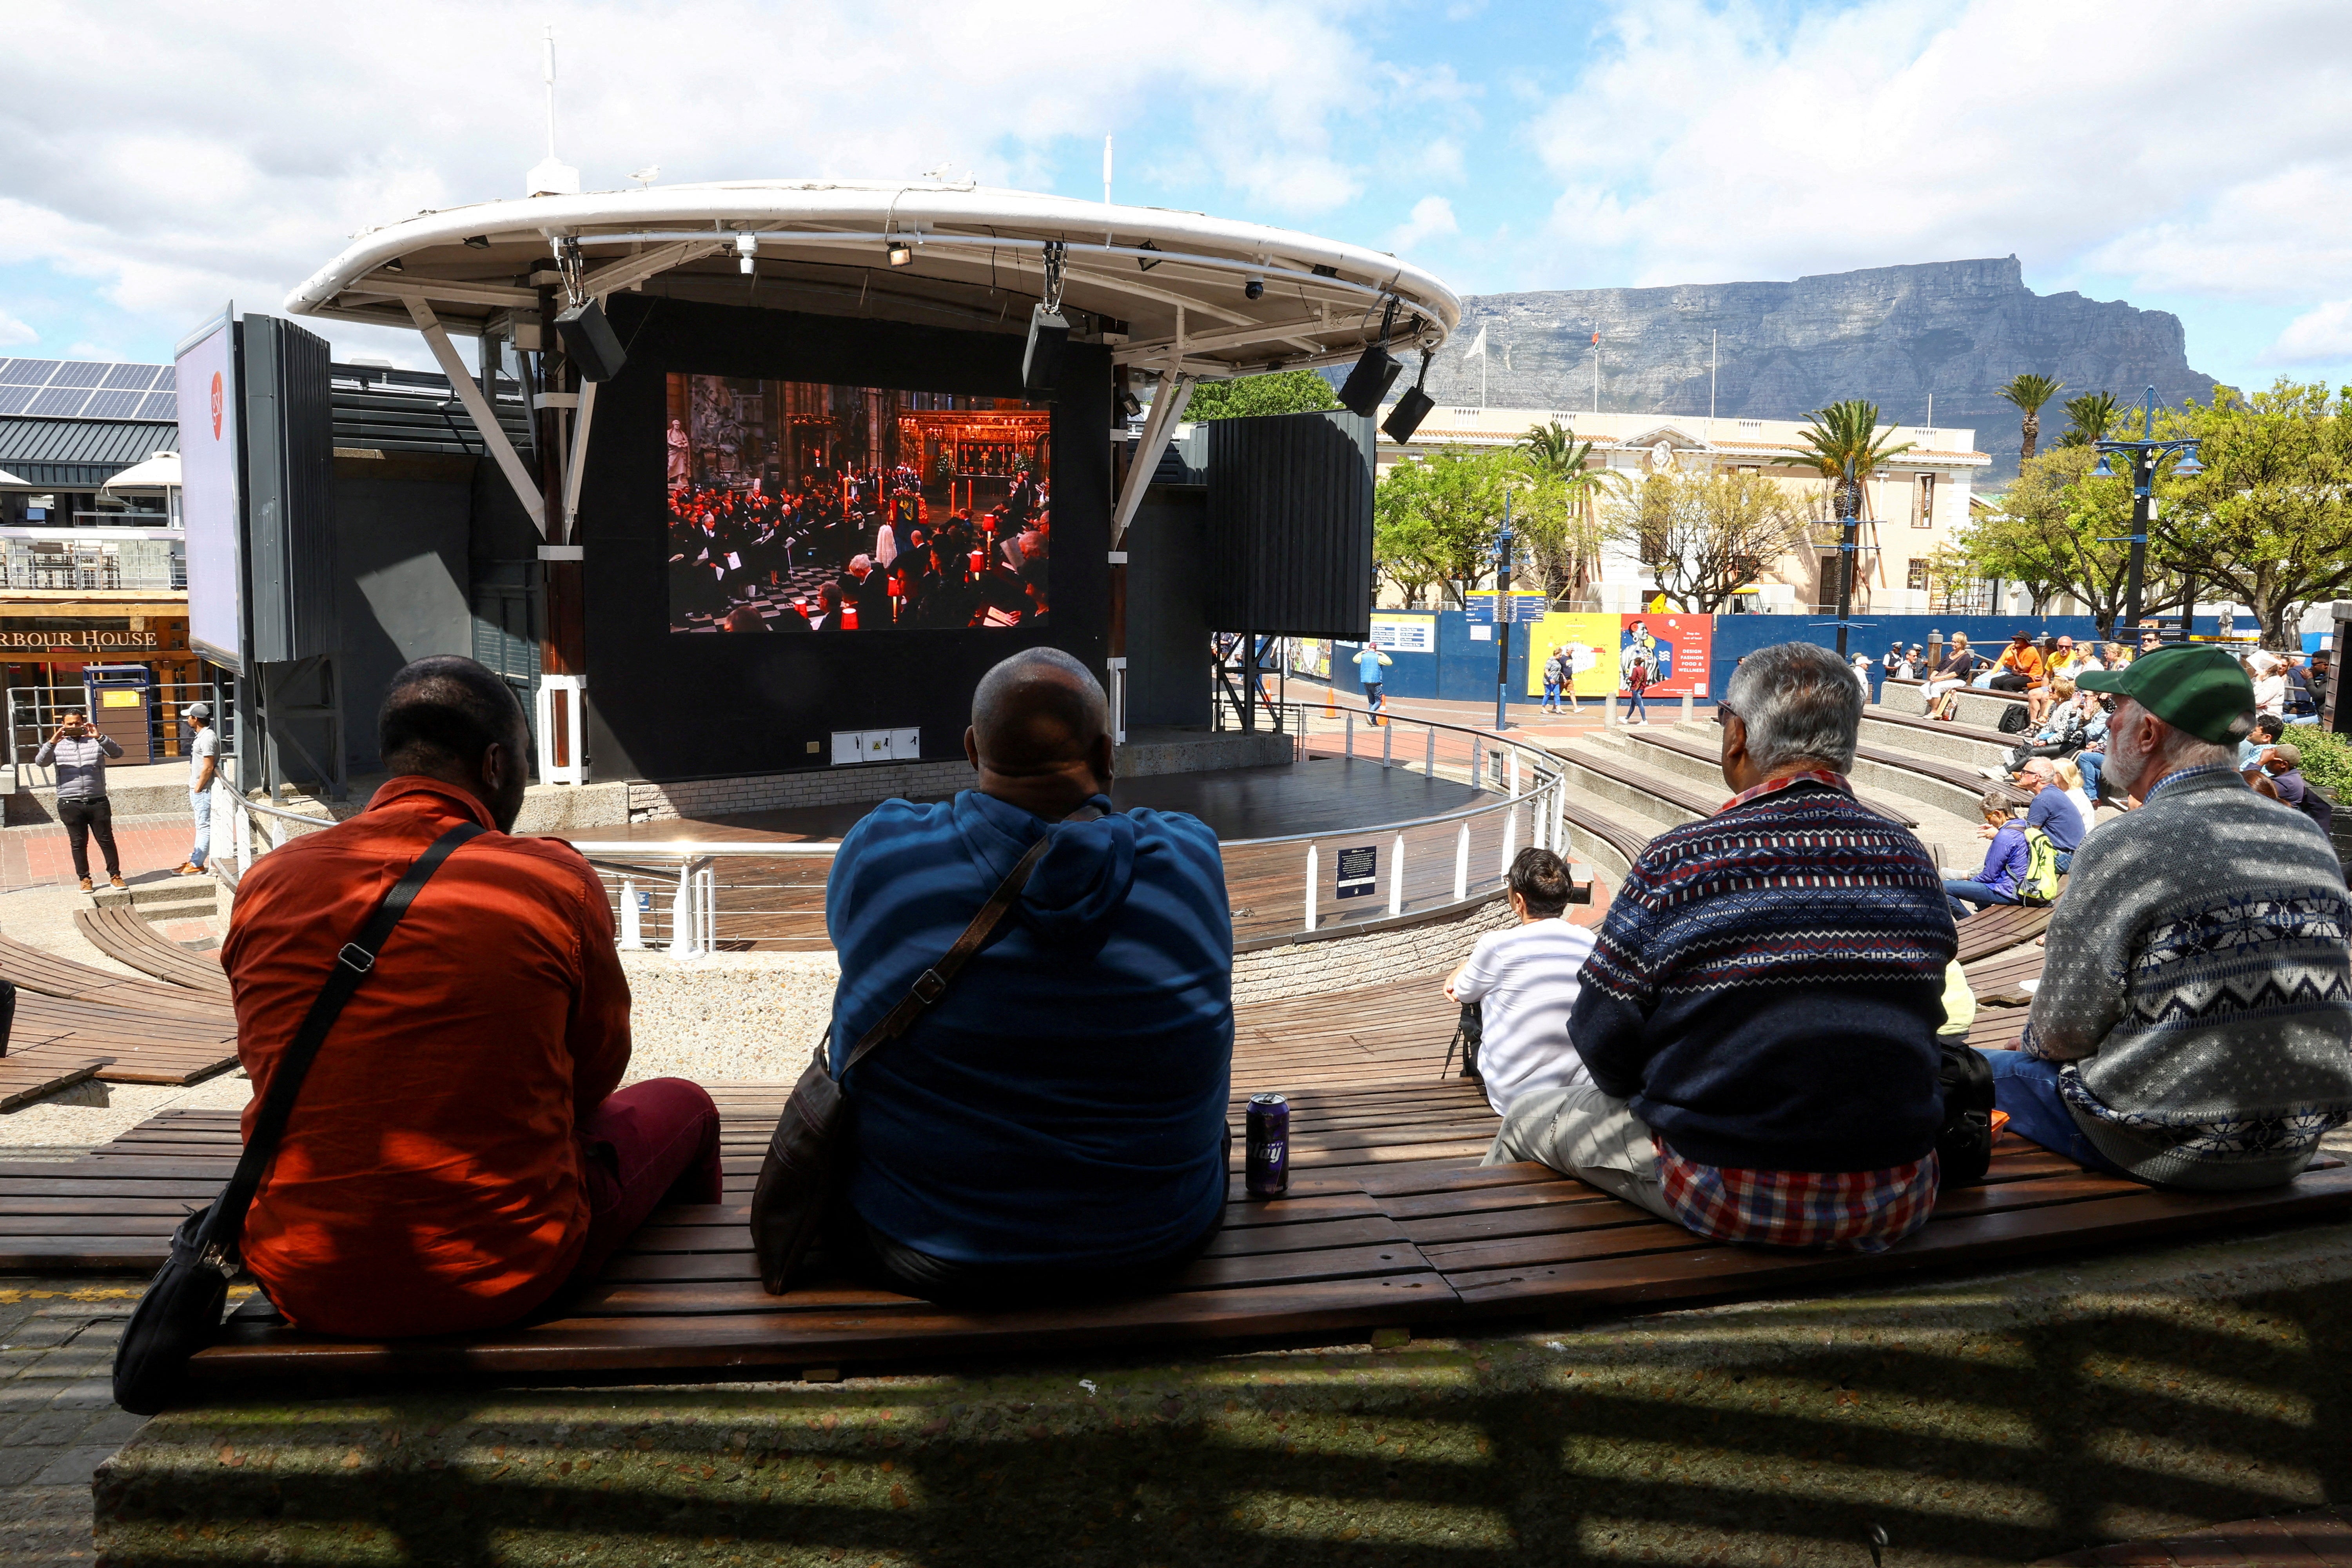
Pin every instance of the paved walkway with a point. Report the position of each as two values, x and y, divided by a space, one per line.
57 1416
43 857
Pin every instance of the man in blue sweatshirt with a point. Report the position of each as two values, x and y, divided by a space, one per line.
1054 1124
1759 1014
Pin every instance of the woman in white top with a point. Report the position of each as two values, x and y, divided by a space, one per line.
2269 675
1525 981
2070 779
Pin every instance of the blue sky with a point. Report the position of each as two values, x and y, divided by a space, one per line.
2197 160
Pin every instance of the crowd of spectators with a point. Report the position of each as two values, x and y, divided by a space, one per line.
1750 1046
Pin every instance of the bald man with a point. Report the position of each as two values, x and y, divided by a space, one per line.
1053 1125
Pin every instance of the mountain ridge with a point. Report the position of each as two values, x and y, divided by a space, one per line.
1895 335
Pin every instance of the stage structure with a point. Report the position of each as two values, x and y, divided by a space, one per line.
861 408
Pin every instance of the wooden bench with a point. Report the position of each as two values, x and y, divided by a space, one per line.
1700 751
1959 774
2007 979
1983 732
126 937
27 1074
2000 926
40 970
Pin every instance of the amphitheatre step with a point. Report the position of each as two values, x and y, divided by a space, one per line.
1976 706
1964 743
175 897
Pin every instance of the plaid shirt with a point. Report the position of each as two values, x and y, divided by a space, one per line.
1845 1211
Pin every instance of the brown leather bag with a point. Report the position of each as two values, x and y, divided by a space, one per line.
804 1155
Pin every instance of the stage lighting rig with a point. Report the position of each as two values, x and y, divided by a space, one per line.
1411 408
1375 374
899 252
1049 330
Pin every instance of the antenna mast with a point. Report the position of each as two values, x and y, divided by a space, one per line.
547 74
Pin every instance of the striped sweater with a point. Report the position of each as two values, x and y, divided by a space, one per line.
1768 986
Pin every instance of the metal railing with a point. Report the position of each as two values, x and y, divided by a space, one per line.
32 717
696 897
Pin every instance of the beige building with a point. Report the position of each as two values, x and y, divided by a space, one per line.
1911 507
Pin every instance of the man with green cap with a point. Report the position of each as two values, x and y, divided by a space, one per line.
2193 1026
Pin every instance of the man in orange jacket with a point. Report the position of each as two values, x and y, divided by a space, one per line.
457 1152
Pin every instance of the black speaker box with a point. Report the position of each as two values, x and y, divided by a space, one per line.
590 342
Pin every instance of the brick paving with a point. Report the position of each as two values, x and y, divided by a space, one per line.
41 857
57 1416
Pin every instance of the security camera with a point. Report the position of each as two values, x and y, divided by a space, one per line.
1253 289
747 251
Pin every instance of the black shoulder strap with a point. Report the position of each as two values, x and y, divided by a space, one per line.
352 965
934 980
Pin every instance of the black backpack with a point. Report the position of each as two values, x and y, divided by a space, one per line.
1469 1034
1964 1145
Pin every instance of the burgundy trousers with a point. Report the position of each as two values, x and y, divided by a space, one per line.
650 1144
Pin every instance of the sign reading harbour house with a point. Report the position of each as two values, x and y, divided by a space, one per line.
83 641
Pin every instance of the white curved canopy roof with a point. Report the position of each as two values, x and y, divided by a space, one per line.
1166 289
161 471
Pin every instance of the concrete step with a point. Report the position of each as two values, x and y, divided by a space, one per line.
173 899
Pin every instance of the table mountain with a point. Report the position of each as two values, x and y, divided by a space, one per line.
1891 335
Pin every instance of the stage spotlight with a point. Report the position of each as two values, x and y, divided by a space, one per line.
1411 408
1253 289
590 342
900 253
1041 360
1129 406
477 242
747 252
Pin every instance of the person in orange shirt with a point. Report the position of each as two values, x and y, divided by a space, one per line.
457 1153
2022 666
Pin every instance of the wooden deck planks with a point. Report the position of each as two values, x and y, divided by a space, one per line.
125 936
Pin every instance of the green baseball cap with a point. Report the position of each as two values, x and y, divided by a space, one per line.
2193 686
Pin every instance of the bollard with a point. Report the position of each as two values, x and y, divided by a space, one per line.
1396 876
632 936
1351 732
1429 762
681 916
1609 712
1462 864
1310 887
1688 713
1515 774
1388 744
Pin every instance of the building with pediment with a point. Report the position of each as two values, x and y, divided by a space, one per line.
1911 507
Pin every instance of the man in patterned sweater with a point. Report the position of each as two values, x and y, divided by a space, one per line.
1759 1016
2193 1026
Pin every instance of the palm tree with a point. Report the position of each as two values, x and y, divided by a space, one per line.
1844 446
2087 418
1560 463
2030 392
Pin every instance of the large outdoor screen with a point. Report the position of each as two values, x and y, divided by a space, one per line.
210 411
797 506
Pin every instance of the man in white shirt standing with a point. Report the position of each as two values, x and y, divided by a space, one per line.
1524 982
204 758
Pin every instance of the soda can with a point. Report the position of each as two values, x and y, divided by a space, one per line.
1266 1138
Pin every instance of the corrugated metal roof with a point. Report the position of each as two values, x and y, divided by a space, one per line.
114 444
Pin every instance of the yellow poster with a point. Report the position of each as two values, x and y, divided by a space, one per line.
1591 640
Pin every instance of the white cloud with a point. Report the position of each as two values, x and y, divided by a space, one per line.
244 147
2183 149
1431 216
2323 336
13 331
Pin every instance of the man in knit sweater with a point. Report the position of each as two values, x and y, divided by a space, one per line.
1759 1015
2193 1026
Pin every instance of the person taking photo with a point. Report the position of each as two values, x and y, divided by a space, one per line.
79 752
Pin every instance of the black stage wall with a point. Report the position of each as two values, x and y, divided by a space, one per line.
664 706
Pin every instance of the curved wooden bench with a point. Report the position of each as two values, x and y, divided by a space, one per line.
144 1047
128 939
2000 926
1699 750
40 970
26 1075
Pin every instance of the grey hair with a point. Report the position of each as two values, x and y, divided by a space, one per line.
1800 702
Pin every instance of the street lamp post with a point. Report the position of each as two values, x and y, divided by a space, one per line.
1503 618
1849 505
2145 454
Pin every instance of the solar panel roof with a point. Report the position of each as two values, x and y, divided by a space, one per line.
87 389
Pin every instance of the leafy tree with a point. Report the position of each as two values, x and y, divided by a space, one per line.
1276 392
1563 528
2030 392
2088 417
1436 523
1706 536
2062 531
2269 521
1844 446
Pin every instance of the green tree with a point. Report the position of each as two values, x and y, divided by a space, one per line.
2269 521
1563 530
1706 536
1435 522
2087 418
1845 447
2030 392
1276 392
2060 530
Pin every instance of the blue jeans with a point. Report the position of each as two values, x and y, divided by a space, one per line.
2304 719
2089 763
2027 1088
1551 697
1975 893
1634 707
1372 695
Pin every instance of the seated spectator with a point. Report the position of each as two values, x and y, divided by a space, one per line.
1759 1014
2193 1026
2071 780
2093 757
2004 864
2282 780
1054 1124
2061 733
1524 981
1950 677
2021 667
2268 673
2268 729
2302 699
458 1152
2050 811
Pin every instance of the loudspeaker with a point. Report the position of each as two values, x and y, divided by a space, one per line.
1041 360
1369 381
590 342
1406 417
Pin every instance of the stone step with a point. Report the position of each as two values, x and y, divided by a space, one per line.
177 898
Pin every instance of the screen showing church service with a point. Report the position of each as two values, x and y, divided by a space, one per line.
799 506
